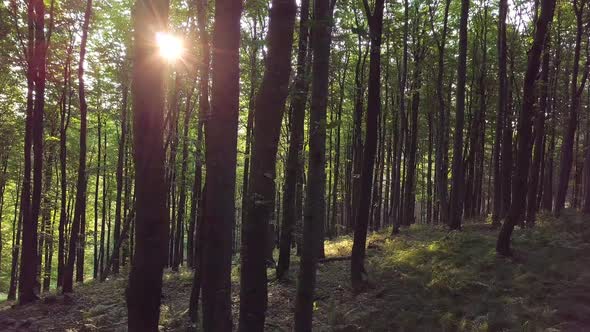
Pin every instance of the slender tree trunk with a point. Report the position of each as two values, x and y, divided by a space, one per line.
517 210
402 156
16 243
46 236
250 118
196 228
547 200
408 209
119 174
375 19
179 248
499 158
333 221
572 123
314 215
295 166
28 260
81 183
442 147
539 134
99 252
64 124
269 113
357 148
456 204
429 171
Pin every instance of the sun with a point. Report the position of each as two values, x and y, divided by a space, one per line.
170 46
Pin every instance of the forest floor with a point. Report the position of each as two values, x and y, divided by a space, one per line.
425 279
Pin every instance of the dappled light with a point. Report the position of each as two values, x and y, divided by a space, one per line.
294 165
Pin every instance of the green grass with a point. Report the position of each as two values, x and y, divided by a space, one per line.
432 279
424 279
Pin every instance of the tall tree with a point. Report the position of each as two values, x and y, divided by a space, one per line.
375 18
539 134
567 150
270 103
221 148
30 205
442 138
151 228
79 209
294 167
520 185
500 114
195 228
456 202
315 212
119 174
66 107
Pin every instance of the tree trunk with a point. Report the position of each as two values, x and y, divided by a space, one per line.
64 124
539 134
408 209
270 102
144 290
196 222
98 255
456 204
250 118
375 19
314 215
517 209
16 244
295 166
572 123
81 183
119 174
28 260
342 83
442 147
500 115
221 148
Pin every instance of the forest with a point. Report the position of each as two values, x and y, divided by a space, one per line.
294 165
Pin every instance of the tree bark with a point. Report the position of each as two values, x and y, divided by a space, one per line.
28 260
572 123
294 167
314 214
81 183
119 174
517 209
65 111
539 134
221 148
270 103
144 290
456 203
375 19
442 147
196 220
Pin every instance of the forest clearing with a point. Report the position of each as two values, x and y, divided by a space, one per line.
425 279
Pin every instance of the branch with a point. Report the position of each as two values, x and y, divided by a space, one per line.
333 259
368 12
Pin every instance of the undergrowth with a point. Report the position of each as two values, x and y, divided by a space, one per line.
423 279
431 279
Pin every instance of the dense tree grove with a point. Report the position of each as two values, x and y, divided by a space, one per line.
201 135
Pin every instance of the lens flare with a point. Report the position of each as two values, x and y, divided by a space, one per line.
170 47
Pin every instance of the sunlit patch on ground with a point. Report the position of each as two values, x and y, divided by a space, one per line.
425 279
